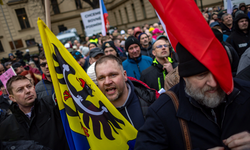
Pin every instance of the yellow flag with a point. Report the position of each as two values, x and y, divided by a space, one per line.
89 119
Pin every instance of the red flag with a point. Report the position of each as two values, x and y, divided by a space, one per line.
185 23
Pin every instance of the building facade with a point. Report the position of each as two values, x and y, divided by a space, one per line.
18 19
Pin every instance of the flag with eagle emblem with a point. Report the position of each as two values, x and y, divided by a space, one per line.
90 121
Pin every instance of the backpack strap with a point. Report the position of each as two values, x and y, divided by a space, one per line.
183 124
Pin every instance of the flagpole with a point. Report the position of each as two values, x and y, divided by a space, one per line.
47 13
8 28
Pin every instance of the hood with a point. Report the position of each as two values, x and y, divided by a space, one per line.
136 30
237 18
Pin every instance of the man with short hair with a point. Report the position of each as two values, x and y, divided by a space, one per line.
32 118
240 38
135 63
18 67
130 32
94 55
131 100
204 118
146 46
227 24
154 75
45 86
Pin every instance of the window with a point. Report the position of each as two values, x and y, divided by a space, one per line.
78 4
30 42
115 18
133 9
120 15
22 18
143 8
55 6
18 44
126 13
1 47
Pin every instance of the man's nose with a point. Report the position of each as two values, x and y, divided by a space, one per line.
211 80
107 80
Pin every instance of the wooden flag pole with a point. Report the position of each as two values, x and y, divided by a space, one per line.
47 13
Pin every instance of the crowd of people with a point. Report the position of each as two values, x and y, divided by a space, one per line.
132 68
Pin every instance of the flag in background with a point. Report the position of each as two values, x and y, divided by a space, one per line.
186 24
229 7
104 17
89 119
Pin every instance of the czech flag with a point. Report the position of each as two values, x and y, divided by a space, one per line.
104 16
186 25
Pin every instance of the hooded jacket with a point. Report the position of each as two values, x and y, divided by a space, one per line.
44 88
134 67
238 39
139 99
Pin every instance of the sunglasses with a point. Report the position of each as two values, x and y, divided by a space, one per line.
160 46
43 64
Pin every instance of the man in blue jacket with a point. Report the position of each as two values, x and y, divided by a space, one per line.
135 63
213 119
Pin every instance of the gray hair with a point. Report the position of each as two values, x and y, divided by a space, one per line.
224 15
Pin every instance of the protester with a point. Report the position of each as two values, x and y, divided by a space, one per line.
135 63
2 69
79 58
18 67
137 31
146 46
130 32
227 24
131 102
92 45
241 36
32 118
156 32
30 75
110 49
7 65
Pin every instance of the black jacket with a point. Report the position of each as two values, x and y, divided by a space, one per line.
154 75
4 104
225 29
161 129
238 39
44 127
147 51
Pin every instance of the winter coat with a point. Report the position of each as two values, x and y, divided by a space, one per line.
4 103
44 88
44 127
244 74
238 39
139 99
225 29
134 67
147 51
162 130
154 75
244 60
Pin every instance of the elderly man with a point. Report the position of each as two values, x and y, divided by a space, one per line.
240 38
135 63
154 75
227 24
32 118
131 102
204 118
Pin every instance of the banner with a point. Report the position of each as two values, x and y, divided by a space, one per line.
193 32
235 2
92 21
89 119
6 76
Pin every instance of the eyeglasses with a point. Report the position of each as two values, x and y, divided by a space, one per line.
43 64
160 46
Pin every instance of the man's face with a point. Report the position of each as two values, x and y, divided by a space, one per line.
19 70
243 24
134 51
91 46
11 57
161 49
3 89
130 32
81 61
110 51
111 80
44 67
204 89
24 93
2 70
228 20
144 39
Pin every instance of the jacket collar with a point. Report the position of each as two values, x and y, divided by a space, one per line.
134 60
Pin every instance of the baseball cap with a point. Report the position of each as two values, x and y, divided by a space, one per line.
95 51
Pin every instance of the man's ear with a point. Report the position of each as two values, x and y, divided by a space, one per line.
153 52
11 97
125 75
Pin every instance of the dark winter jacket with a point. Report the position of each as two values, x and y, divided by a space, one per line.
161 129
244 74
238 39
44 127
44 88
154 75
4 103
225 29
134 67
147 51
136 105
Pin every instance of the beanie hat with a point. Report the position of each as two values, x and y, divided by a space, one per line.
108 44
139 37
92 43
77 55
131 40
188 64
